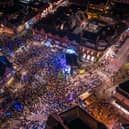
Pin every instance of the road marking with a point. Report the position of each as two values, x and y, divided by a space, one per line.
115 62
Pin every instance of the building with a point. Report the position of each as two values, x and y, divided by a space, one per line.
6 70
26 1
122 1
121 98
74 118
6 3
120 7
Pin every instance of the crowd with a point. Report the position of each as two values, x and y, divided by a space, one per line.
39 63
38 67
104 112
43 88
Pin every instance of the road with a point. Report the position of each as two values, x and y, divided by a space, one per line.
105 74
49 10
121 56
101 78
112 68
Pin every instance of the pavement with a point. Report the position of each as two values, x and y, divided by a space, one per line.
121 57
106 74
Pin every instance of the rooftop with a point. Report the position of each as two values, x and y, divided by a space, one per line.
125 86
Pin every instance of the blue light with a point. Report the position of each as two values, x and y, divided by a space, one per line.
70 51
67 69
127 30
8 114
18 106
48 44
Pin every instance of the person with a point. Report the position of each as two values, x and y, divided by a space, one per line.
24 77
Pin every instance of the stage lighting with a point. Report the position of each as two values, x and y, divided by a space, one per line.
70 51
68 69
48 44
